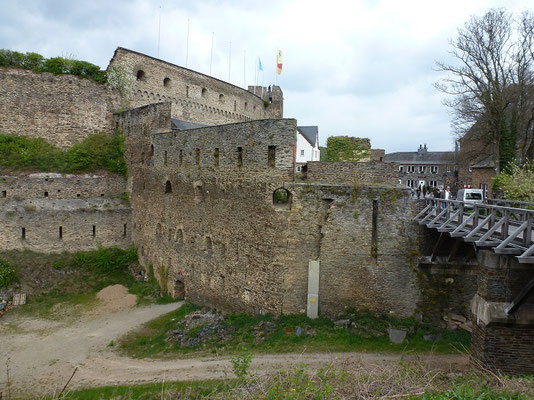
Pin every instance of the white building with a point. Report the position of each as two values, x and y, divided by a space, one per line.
307 145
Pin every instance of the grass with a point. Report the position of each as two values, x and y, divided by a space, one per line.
337 380
151 340
81 276
95 152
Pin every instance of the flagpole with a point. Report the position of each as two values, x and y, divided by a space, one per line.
211 56
255 75
229 62
244 69
159 28
276 70
187 45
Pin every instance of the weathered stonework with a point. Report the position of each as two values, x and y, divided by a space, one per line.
63 109
194 96
352 173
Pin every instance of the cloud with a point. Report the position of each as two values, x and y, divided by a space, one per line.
362 68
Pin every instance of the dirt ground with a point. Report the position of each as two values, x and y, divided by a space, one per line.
42 354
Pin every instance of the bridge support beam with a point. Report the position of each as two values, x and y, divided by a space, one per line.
500 341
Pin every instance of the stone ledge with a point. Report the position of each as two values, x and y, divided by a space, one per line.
493 313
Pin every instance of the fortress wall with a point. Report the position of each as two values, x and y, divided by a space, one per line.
195 96
360 266
352 173
216 232
58 186
63 109
42 219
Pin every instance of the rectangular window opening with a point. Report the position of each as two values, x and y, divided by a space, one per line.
94 230
239 156
4 193
165 157
61 232
197 156
23 233
181 157
216 155
271 156
124 230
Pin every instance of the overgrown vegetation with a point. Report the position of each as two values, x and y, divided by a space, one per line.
517 183
8 275
338 380
56 65
96 151
80 276
289 333
345 148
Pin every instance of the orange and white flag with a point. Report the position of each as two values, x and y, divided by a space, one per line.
279 63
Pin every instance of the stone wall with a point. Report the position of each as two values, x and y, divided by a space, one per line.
205 217
194 96
60 186
63 109
53 213
352 173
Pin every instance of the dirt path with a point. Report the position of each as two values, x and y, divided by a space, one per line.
43 354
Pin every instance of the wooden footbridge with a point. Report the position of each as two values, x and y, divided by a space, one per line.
502 225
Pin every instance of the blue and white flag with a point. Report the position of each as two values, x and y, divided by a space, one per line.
260 66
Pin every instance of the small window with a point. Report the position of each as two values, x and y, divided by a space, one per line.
235 105
124 230
61 232
94 230
187 91
23 233
221 98
45 194
204 92
281 198
239 156
271 156
168 187
181 158
165 158
246 105
422 169
4 193
302 153
167 82
216 156
141 76
197 156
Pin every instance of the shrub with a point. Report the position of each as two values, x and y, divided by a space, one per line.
106 261
8 275
54 65
518 183
96 151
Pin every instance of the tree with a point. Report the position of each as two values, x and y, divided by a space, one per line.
517 183
121 78
492 82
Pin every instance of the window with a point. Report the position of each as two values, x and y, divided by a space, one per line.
298 168
216 156
449 168
221 98
165 158
302 153
271 156
422 169
401 168
434 169
94 230
167 82
4 193
187 91
168 187
141 76
204 92
197 156
61 232
411 169
433 183
410 183
239 156
23 233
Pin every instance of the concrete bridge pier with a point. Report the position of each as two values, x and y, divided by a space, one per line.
503 314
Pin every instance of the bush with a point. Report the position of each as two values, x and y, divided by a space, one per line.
106 261
8 275
518 183
96 151
54 65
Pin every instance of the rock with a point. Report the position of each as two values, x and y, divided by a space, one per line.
342 322
467 326
457 318
433 337
397 335
299 331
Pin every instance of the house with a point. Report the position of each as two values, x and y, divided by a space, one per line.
307 145
426 168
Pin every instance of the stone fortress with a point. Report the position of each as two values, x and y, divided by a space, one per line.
204 212
215 206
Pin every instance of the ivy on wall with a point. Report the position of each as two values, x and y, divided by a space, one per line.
345 148
55 65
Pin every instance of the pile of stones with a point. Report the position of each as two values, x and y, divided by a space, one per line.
456 321
199 328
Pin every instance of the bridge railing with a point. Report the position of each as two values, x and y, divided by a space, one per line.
496 224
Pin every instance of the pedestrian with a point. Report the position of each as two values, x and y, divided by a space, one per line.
418 192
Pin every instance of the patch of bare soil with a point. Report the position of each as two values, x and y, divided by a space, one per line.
40 362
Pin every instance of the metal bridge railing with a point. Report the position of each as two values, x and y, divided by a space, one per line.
504 225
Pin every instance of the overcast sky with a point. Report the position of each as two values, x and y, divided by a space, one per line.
359 68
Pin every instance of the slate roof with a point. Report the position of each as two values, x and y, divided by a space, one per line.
310 133
485 163
182 125
414 157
